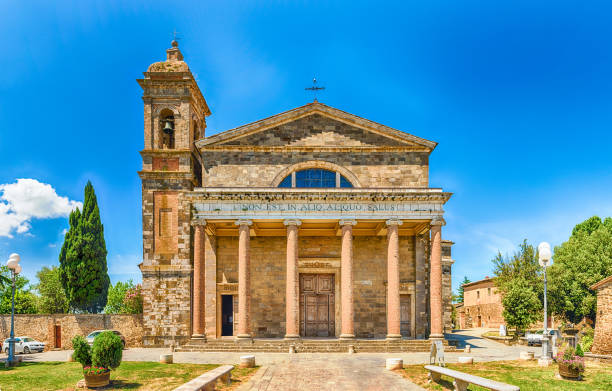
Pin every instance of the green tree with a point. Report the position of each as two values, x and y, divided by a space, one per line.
25 301
83 269
116 297
521 305
584 259
460 290
521 266
52 299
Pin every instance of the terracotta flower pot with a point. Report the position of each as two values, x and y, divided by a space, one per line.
100 380
567 372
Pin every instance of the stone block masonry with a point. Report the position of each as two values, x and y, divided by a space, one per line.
46 328
602 343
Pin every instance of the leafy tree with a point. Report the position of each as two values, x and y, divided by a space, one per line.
52 299
521 305
116 297
124 298
521 266
460 290
82 350
25 301
584 259
133 300
83 269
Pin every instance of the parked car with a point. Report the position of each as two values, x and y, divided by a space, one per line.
90 338
535 337
24 345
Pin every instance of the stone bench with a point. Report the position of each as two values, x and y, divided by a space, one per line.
462 380
208 380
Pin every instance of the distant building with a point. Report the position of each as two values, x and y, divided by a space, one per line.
482 306
602 343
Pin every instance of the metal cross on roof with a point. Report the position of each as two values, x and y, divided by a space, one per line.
314 89
175 34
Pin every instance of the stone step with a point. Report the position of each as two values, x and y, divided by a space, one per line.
310 346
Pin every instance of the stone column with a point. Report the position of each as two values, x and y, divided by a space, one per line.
393 280
346 280
422 318
198 281
244 279
210 282
292 330
435 278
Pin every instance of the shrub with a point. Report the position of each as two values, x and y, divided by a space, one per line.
82 351
579 351
107 350
587 339
132 303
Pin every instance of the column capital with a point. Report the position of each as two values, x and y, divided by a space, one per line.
394 222
243 222
296 222
348 222
198 221
438 220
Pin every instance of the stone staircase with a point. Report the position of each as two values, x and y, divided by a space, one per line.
310 346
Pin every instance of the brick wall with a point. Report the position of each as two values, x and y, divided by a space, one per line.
603 321
42 327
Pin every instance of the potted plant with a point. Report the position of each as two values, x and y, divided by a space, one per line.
100 359
571 362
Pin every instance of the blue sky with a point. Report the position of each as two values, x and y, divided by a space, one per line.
518 94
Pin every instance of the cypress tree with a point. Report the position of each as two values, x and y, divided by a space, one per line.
83 269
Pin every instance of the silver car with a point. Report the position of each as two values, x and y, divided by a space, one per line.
24 345
90 338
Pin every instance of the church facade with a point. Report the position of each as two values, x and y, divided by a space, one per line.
309 223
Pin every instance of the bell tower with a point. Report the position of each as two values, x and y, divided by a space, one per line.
175 114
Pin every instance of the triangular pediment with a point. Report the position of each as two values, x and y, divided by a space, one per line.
315 125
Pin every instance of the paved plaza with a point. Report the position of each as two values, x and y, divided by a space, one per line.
323 371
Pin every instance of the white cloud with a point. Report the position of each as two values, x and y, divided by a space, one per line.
28 199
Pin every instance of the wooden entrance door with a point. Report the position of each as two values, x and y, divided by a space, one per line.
405 315
317 305
58 336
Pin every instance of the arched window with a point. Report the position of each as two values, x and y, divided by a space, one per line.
166 129
315 177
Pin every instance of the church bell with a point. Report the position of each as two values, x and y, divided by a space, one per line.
168 125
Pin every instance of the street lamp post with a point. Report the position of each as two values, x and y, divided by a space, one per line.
15 268
545 260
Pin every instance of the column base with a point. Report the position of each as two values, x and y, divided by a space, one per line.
436 337
347 336
292 337
244 338
393 337
198 336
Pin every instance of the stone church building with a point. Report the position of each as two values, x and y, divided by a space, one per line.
310 223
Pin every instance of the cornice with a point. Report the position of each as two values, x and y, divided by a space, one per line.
165 152
161 175
335 194
311 148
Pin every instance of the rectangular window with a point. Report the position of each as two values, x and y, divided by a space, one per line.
489 291
478 294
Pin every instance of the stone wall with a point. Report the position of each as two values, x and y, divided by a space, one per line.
260 168
490 315
43 327
602 343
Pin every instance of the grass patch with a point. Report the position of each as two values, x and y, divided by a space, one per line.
143 376
527 375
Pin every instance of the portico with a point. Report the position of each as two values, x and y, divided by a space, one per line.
291 215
